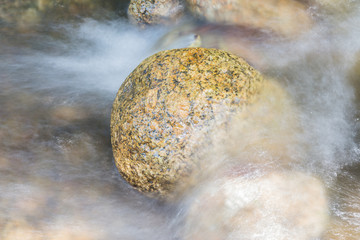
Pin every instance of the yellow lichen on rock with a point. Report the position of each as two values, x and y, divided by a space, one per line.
155 139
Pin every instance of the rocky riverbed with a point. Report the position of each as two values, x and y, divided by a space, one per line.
61 67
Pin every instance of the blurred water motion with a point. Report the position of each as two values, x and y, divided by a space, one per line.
57 177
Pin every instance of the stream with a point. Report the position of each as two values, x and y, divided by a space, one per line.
57 84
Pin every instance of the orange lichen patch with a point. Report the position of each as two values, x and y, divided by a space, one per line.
166 107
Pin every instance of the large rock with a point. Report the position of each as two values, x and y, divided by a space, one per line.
155 11
277 205
166 109
284 17
24 14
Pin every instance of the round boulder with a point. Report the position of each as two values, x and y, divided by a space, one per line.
155 11
166 109
285 17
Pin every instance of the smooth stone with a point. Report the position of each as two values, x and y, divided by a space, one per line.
340 230
354 77
25 15
36 199
66 114
19 230
4 162
166 109
287 17
77 229
155 12
277 205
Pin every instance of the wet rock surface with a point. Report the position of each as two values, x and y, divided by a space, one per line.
47 167
276 205
27 14
336 7
58 180
20 229
166 106
152 12
346 207
287 18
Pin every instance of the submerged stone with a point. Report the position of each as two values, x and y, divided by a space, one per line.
337 7
276 205
19 229
26 14
166 109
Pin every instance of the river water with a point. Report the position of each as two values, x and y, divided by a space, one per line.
58 81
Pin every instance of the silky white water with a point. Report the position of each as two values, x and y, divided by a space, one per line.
57 176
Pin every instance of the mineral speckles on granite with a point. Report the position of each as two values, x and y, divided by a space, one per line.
165 108
155 11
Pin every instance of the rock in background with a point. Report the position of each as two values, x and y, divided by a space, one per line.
149 12
286 18
278 205
28 13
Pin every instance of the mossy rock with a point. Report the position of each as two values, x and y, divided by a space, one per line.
167 107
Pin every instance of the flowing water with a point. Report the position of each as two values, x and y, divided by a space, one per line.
58 81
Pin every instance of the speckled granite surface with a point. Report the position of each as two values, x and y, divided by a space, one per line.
155 11
166 106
